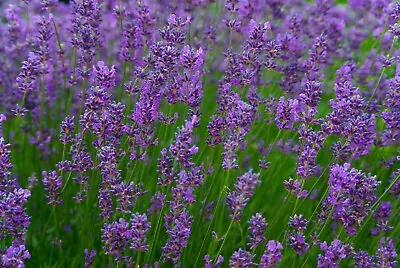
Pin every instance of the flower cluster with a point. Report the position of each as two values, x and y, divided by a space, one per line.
272 254
333 254
13 216
350 198
53 185
117 235
257 229
165 133
244 190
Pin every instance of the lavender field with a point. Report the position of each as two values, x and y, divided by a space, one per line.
200 133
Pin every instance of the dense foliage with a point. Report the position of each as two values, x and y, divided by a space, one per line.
199 133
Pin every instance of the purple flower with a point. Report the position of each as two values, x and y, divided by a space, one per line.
214 128
395 12
67 129
208 262
350 197
391 114
27 76
43 41
333 254
381 217
287 113
386 255
272 254
262 163
229 154
318 52
192 59
174 32
297 242
52 184
186 183
395 190
139 226
89 256
350 120
13 217
246 183
14 220
138 29
81 160
15 255
5 164
3 118
395 29
19 111
86 36
241 258
157 201
178 227
182 150
257 229
311 93
164 168
362 133
279 72
105 202
298 222
32 181
363 260
126 193
273 49
294 187
115 237
208 211
311 138
244 189
306 165
234 117
104 76
236 203
108 156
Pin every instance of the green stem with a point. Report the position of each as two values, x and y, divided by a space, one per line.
381 75
225 238
158 227
213 218
62 63
123 80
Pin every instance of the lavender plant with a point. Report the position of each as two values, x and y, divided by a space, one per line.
203 133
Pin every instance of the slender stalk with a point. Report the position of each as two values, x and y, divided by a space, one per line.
124 67
225 238
381 75
294 209
158 227
214 216
203 209
62 64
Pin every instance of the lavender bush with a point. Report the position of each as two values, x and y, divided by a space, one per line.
202 133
